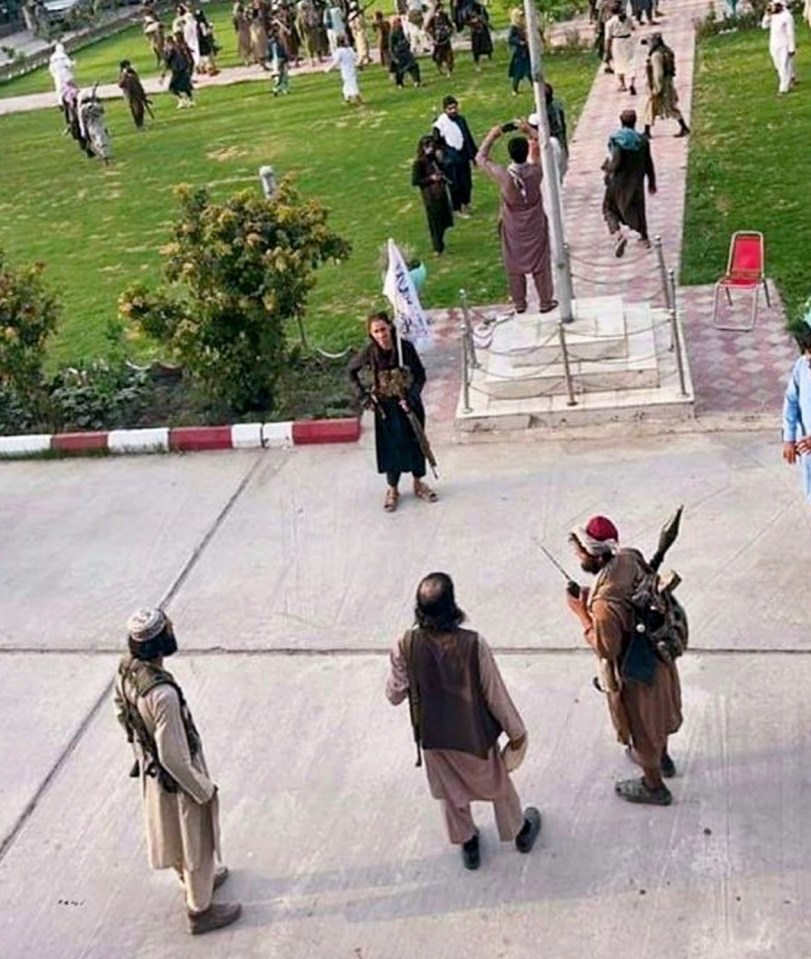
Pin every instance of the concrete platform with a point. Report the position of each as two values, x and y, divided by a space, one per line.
85 541
337 849
44 703
292 597
643 385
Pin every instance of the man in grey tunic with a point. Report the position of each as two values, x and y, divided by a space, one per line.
459 708
523 226
181 811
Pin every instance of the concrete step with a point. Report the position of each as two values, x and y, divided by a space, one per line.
537 398
597 332
630 362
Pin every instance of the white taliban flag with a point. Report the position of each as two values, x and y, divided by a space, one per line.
399 290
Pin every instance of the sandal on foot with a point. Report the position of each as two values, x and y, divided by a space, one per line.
638 791
425 492
390 503
547 307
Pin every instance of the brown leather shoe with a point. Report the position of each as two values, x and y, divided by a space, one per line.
217 916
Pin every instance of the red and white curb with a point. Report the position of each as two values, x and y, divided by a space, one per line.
185 439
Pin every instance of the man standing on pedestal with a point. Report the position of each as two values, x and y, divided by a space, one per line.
524 228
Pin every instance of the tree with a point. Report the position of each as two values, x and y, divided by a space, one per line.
237 273
28 316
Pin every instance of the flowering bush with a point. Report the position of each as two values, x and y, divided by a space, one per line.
28 316
236 273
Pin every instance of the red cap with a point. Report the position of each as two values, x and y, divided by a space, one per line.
601 528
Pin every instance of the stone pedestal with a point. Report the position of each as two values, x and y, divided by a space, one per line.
620 359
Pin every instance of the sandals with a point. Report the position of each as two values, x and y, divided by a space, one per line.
421 491
547 307
638 791
392 498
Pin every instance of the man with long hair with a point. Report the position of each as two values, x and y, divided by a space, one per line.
459 708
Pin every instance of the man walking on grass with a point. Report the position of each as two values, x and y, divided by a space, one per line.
458 149
779 21
459 708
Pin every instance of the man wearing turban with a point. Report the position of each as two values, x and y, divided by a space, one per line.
644 695
181 810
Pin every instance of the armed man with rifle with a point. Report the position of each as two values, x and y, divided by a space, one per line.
637 629
181 810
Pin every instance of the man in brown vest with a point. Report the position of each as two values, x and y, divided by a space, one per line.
459 708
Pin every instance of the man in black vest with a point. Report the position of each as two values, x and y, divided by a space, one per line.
458 149
459 708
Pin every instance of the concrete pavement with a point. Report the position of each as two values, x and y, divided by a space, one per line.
288 582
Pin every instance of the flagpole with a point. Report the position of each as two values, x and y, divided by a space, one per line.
561 266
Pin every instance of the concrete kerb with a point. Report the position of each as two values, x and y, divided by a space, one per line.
183 439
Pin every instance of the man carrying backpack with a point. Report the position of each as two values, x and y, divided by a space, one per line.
638 675
663 100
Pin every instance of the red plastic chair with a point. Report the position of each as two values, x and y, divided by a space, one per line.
745 271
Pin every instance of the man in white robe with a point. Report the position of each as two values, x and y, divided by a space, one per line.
346 60
60 67
779 21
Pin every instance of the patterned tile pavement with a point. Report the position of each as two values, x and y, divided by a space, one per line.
738 375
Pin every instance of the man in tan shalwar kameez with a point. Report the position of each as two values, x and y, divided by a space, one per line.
463 706
181 811
644 714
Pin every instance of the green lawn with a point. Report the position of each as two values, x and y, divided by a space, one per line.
97 228
748 164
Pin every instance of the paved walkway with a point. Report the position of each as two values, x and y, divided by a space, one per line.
733 374
287 582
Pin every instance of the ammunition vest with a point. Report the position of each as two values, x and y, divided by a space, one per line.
136 678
